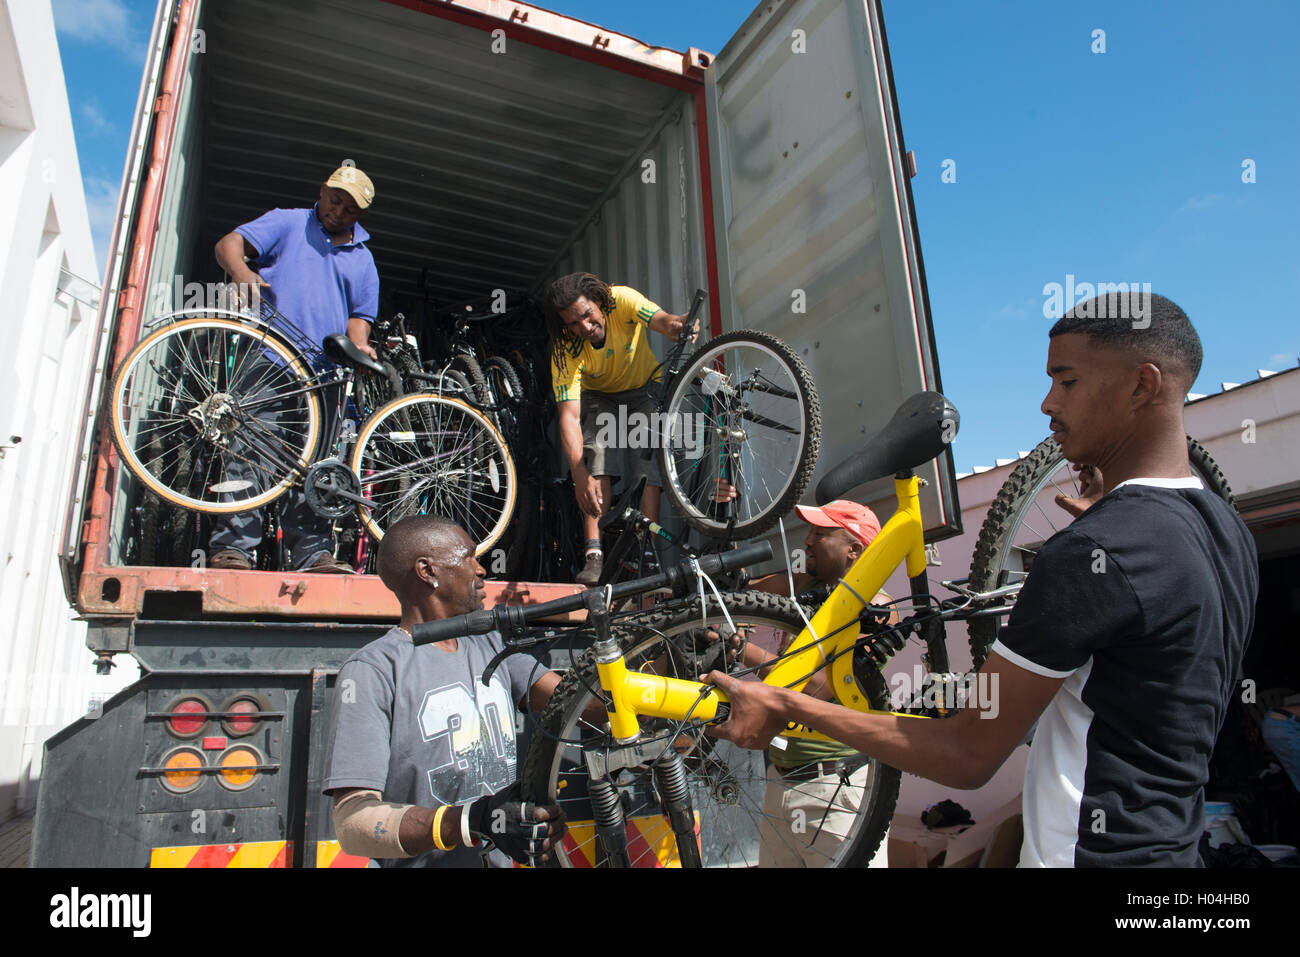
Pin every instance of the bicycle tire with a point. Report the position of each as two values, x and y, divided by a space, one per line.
993 563
773 465
445 458
468 366
372 390
447 384
506 391
174 366
553 770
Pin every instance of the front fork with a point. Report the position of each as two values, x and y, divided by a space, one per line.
668 767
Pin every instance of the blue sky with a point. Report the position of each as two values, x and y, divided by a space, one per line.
1122 166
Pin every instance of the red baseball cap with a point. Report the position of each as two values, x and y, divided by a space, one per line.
858 520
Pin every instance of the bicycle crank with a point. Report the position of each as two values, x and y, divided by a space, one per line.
332 490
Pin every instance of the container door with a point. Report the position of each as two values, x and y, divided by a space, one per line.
816 233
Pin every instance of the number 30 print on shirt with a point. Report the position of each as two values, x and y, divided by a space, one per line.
472 739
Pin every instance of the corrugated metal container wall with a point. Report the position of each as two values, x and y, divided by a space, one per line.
649 235
48 675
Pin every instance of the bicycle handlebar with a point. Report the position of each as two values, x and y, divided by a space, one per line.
512 619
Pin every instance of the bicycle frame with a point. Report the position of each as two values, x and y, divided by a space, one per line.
834 630
337 380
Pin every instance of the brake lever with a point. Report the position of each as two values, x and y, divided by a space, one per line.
512 648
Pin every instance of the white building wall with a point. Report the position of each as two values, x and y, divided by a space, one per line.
47 677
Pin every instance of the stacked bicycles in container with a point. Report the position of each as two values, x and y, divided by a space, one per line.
221 411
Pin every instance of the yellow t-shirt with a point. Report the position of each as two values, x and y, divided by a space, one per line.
624 362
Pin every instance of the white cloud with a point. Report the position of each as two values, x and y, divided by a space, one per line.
96 121
106 22
1203 201
1280 361
101 208
1024 309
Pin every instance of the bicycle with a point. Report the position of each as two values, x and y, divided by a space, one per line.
742 408
649 786
219 412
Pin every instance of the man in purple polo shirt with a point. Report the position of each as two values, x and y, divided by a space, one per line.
313 267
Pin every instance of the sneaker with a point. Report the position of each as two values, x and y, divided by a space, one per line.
591 571
231 559
327 564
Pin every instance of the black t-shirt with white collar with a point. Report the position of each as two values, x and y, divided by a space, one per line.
1144 604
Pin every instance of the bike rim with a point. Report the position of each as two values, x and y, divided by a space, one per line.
444 458
729 824
171 389
746 391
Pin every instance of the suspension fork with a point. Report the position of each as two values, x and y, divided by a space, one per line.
606 803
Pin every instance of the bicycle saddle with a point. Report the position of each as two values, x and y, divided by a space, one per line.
920 430
340 349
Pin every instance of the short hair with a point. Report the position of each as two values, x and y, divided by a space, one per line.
1143 323
564 292
403 543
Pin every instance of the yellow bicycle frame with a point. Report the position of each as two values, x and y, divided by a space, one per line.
634 693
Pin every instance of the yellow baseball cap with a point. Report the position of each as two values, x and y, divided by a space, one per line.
355 183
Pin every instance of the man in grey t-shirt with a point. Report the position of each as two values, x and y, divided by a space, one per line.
417 744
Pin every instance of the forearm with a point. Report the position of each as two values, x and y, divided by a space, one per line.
571 443
937 749
359 331
417 828
368 826
230 257
667 323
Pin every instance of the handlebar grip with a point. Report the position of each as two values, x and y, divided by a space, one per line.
739 558
458 626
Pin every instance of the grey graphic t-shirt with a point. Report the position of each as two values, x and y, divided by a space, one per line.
417 724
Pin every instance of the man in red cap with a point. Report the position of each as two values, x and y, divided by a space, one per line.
808 808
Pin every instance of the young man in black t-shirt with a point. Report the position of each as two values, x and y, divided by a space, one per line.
1128 636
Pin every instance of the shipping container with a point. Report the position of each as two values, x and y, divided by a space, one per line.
508 145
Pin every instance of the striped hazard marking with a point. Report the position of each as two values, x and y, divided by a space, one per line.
250 854
650 842
329 854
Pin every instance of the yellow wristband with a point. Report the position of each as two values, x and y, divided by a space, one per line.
437 830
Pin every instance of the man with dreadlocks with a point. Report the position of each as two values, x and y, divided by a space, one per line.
601 360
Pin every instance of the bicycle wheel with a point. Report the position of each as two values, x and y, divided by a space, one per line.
744 409
371 391
506 392
468 366
1024 516
427 455
212 414
727 784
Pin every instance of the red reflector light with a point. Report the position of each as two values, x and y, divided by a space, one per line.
183 726
237 724
214 744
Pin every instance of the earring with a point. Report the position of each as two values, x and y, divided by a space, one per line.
435 583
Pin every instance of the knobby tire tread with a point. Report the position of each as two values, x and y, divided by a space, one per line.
1015 496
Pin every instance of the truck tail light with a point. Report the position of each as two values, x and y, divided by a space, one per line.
182 769
188 716
242 712
239 767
